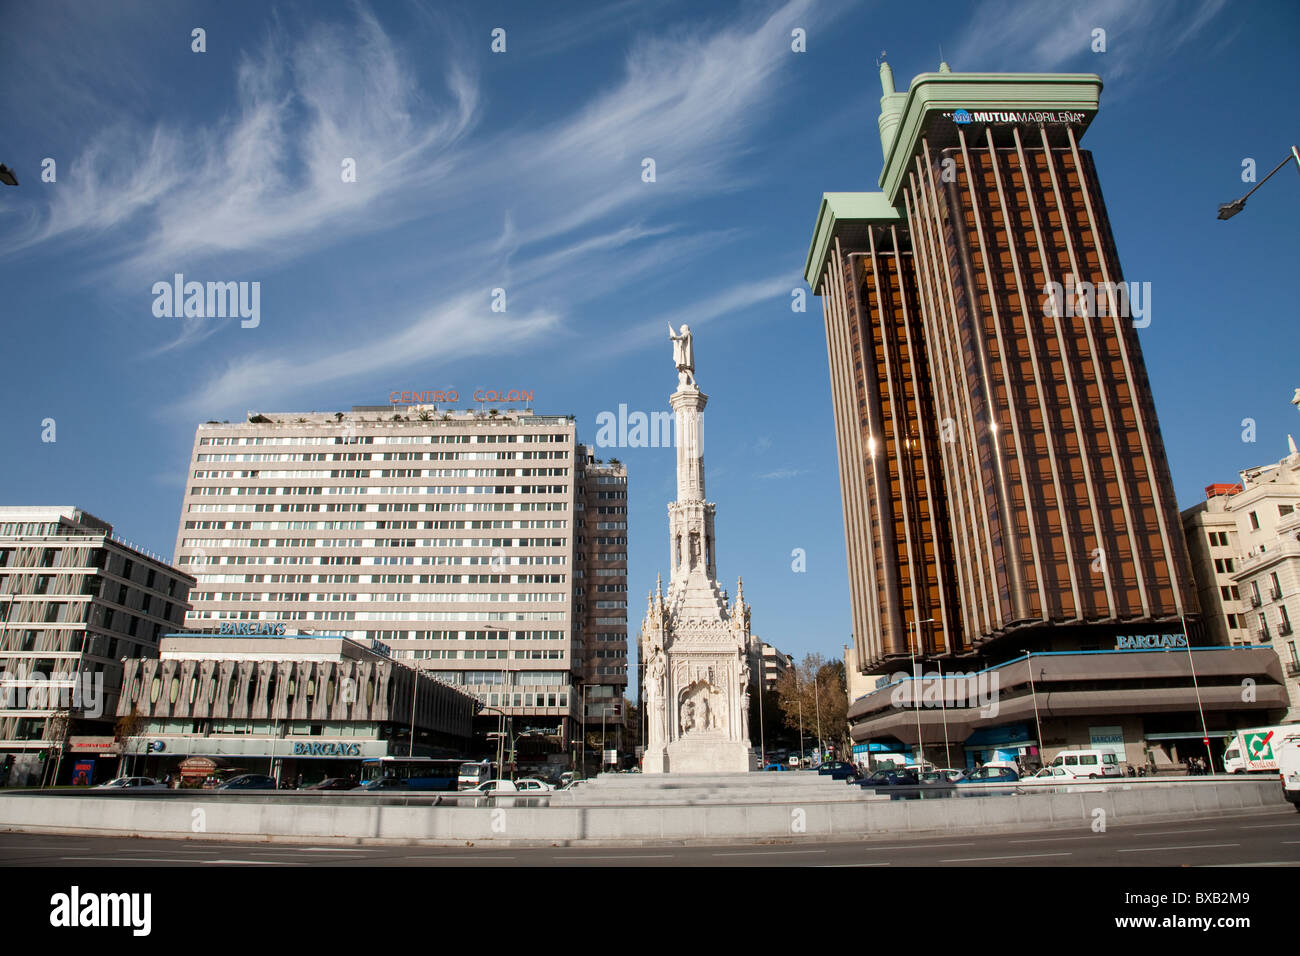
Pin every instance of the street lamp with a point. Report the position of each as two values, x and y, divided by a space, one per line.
916 697
1229 209
799 685
1029 659
7 176
1205 733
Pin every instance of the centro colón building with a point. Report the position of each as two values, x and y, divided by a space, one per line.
1004 481
466 542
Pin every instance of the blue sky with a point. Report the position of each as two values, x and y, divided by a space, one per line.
522 170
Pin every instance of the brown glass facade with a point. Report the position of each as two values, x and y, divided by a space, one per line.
1002 467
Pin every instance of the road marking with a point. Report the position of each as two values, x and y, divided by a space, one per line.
919 846
1268 826
1269 863
462 856
1173 832
134 859
769 853
336 849
626 856
255 862
836 865
1052 839
981 859
1200 846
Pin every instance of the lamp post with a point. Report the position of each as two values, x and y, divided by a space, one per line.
943 701
1029 659
798 683
916 697
817 703
7 176
1205 733
762 733
415 690
1229 209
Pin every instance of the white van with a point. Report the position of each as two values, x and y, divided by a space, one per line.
1087 763
1288 762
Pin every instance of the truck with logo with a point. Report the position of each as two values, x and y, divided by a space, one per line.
1255 750
1288 762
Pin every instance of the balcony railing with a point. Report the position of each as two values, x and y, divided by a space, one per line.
1274 594
1293 669
1284 629
1255 600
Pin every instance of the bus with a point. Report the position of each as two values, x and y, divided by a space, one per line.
411 773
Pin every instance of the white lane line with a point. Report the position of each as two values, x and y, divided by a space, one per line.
1269 863
839 865
918 846
1092 836
1268 826
255 862
462 857
625 856
1172 832
1023 856
133 859
1200 846
769 853
335 849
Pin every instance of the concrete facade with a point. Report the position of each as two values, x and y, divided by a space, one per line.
77 599
450 537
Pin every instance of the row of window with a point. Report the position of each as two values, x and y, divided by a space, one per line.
390 473
375 543
448 439
385 456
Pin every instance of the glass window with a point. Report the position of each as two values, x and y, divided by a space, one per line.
1088 760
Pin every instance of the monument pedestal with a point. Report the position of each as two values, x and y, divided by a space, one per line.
704 752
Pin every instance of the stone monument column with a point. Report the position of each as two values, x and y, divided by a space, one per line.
698 641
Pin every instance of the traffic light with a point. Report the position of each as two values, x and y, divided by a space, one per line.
42 755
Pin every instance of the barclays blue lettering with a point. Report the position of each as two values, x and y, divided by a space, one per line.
231 627
1136 642
302 749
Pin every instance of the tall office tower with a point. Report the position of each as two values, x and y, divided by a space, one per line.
77 600
448 537
601 580
1001 465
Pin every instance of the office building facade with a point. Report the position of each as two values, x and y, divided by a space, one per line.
77 600
449 537
1005 485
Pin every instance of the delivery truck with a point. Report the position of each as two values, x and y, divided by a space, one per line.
1255 750
1288 761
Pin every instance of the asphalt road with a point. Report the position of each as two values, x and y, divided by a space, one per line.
1256 838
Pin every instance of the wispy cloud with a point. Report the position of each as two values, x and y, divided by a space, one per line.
782 474
1001 35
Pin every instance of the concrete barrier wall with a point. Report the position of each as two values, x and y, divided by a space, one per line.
249 817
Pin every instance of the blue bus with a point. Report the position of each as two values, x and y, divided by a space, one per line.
410 773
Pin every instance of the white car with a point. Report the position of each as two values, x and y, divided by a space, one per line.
495 786
132 783
533 785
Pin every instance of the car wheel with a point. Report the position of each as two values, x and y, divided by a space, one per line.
1092 776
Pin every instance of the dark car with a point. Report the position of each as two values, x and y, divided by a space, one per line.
991 775
333 783
776 766
386 783
249 781
840 770
889 777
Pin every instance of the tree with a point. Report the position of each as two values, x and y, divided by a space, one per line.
815 693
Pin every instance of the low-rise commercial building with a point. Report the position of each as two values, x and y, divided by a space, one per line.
309 705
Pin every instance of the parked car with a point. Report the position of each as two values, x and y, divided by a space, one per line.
839 770
1057 772
249 781
533 785
495 786
132 783
944 775
890 777
386 783
991 774
776 766
333 783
